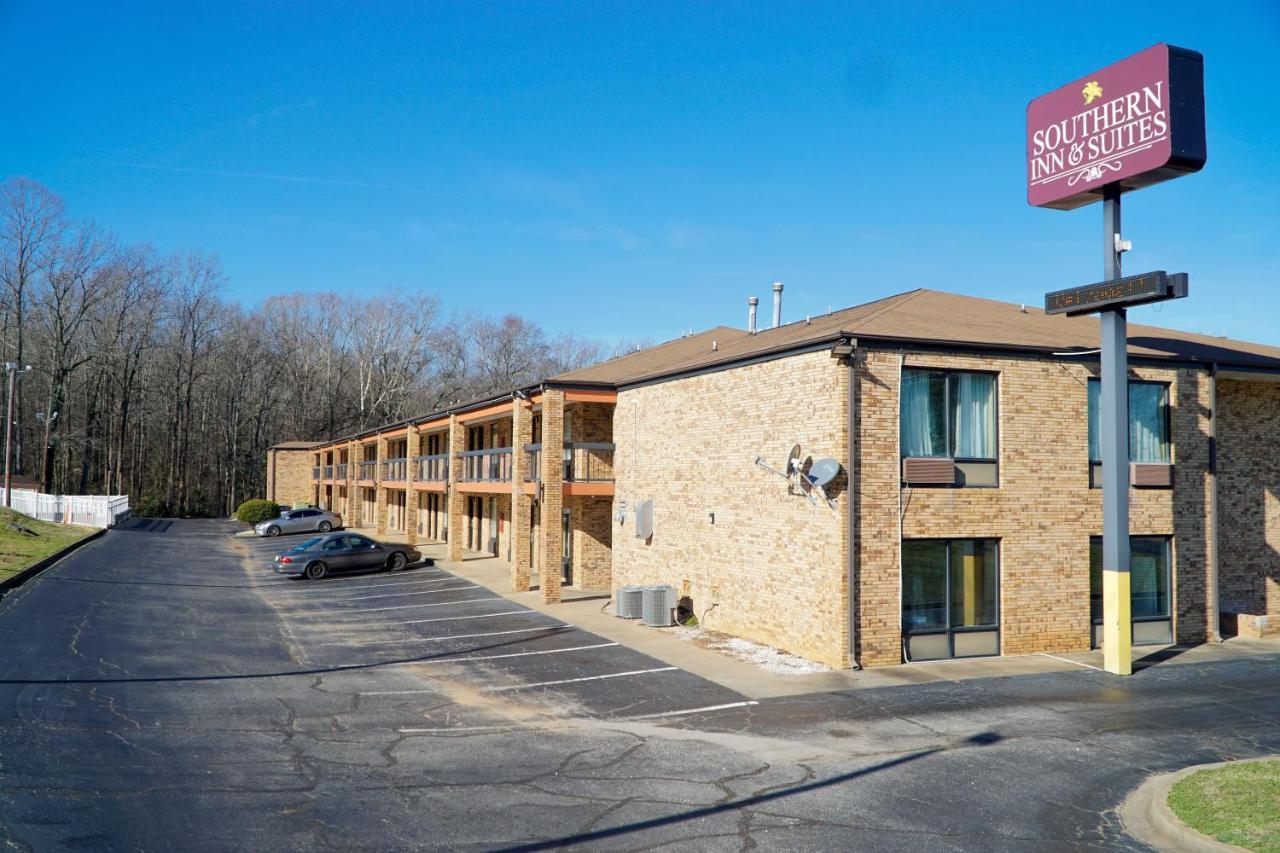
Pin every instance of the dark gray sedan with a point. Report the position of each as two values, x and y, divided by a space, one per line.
318 556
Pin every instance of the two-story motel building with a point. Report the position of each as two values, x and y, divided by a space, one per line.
965 522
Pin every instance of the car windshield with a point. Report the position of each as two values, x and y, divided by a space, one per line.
305 544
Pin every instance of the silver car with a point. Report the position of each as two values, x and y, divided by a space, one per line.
300 521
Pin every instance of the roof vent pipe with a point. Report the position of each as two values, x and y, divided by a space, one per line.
777 304
752 302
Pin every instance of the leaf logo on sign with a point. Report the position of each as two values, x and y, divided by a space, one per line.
1091 91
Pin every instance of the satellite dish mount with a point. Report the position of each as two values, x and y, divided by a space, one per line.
811 482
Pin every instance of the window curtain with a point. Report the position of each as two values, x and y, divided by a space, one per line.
1095 420
920 417
1148 423
973 415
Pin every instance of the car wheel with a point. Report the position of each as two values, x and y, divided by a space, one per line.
316 571
273 531
396 562
325 527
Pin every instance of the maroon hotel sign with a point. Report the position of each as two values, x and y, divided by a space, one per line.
1137 122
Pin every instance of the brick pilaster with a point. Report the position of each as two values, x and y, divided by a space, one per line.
521 434
552 502
380 512
413 497
456 499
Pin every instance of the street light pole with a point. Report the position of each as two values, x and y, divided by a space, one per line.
12 369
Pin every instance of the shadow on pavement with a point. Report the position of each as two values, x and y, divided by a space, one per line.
981 739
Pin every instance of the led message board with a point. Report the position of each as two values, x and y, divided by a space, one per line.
1118 293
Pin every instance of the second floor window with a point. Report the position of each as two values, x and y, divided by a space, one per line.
948 414
1148 421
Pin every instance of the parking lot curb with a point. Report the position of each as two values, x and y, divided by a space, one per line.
9 585
1146 815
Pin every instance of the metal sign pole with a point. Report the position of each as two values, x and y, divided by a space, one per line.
1116 615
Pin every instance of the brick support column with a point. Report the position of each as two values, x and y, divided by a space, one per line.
350 514
413 498
521 556
552 544
380 511
456 499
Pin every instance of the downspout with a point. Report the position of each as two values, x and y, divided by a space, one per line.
851 511
1215 609
902 640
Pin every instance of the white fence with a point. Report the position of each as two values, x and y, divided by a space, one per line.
89 510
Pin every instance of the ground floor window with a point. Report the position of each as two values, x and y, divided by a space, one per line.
1149 585
950 598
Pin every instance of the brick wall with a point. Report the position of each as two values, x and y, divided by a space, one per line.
1249 497
592 524
289 476
1043 513
771 564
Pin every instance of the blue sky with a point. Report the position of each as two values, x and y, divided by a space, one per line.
625 170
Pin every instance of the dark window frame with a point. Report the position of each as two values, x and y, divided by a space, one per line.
1168 417
946 428
1167 541
950 630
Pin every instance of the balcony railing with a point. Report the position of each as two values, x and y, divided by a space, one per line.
315 472
486 466
328 472
395 469
340 471
431 469
588 462
369 469
584 462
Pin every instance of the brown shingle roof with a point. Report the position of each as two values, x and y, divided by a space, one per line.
296 445
921 316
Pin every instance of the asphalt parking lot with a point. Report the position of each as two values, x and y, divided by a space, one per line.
162 689
424 617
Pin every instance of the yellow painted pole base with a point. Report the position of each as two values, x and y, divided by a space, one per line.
1117 623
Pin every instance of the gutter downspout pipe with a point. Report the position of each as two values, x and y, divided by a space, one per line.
1215 609
851 510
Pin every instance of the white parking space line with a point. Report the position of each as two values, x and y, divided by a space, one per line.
339 593
557 725
311 586
332 613
723 707
372 597
478 616
472 659
450 637
578 680
404 594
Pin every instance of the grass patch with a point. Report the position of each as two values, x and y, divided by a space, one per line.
19 550
1236 804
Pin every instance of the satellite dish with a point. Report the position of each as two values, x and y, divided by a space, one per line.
823 471
802 482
